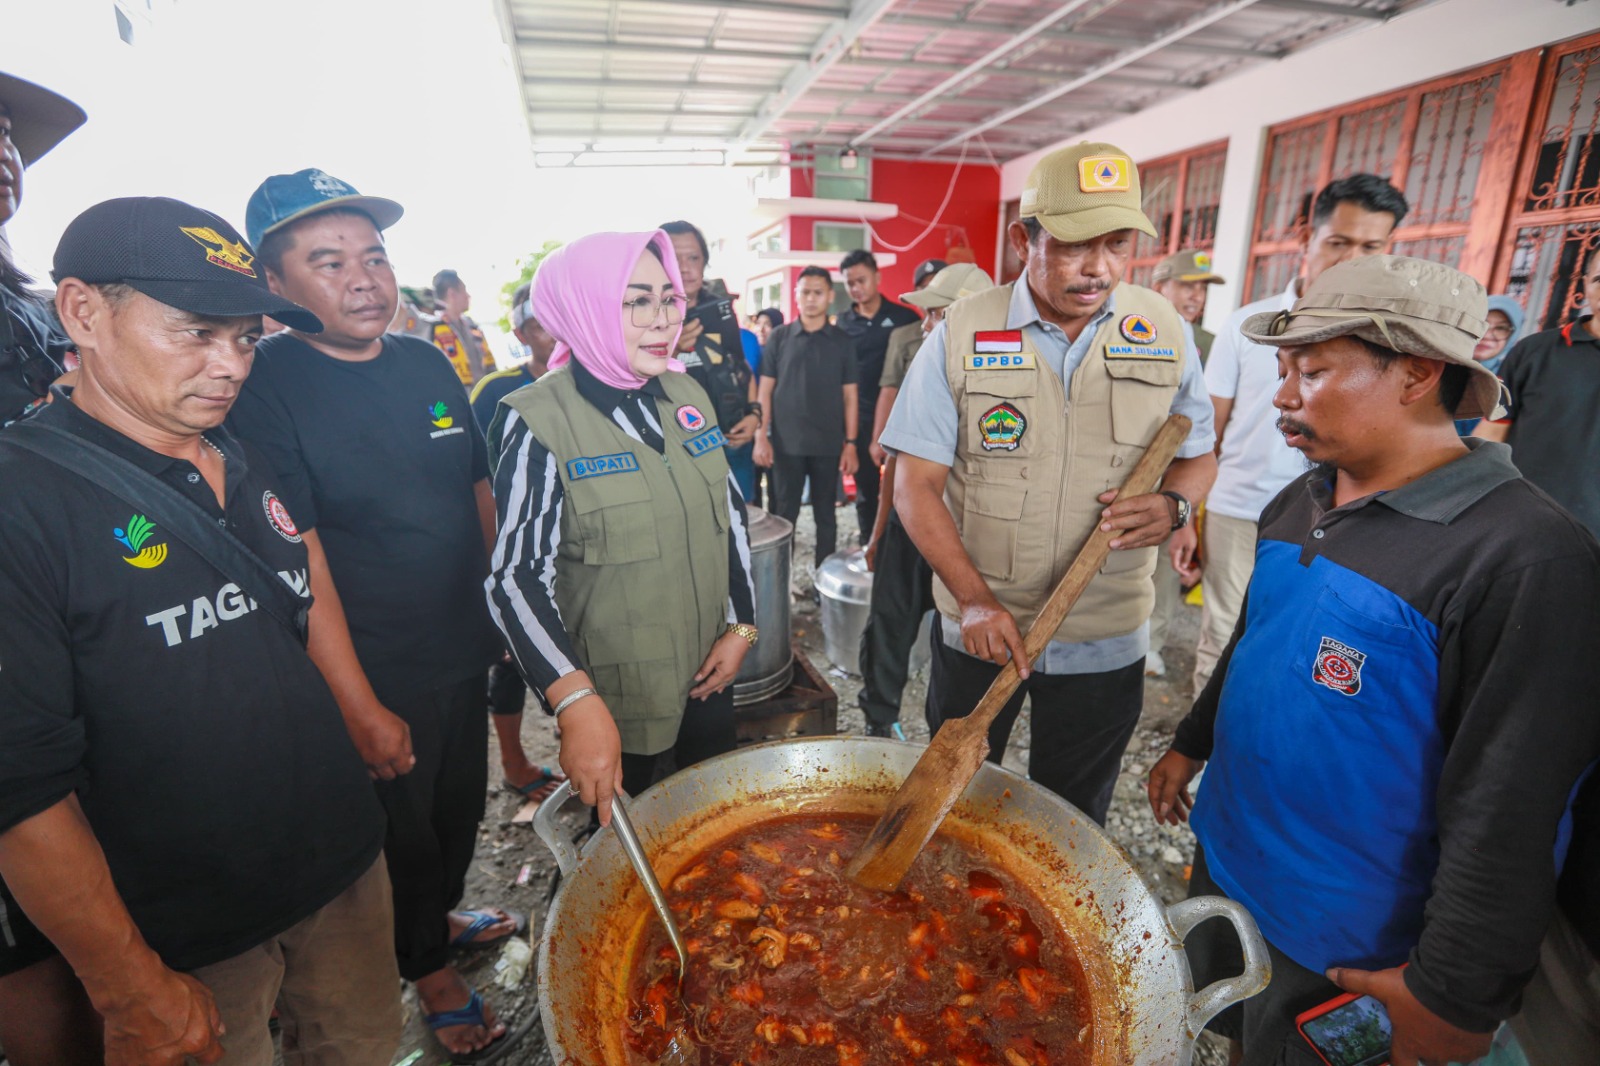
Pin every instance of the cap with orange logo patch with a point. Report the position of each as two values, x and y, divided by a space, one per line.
1082 192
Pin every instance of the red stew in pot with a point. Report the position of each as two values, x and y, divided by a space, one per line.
792 963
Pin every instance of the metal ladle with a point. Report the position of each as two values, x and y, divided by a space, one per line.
680 1050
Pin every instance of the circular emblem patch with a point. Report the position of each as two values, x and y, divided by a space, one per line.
690 418
1138 329
278 517
1202 261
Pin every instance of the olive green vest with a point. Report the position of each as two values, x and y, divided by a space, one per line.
642 568
1032 455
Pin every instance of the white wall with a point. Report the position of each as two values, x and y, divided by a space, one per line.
1446 36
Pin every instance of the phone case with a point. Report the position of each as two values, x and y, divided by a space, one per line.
1318 1011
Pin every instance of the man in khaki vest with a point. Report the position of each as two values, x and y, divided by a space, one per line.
1023 412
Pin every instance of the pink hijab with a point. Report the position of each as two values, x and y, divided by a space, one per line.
578 295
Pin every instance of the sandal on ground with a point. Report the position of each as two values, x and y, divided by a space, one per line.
482 920
472 1014
546 778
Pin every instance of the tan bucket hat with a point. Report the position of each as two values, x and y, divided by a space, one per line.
1081 192
1186 266
1408 305
949 285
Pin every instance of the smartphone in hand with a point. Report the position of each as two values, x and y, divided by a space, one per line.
1348 1030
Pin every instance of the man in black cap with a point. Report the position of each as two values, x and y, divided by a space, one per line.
182 814
383 464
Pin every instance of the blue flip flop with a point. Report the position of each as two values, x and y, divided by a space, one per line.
546 777
482 920
472 1014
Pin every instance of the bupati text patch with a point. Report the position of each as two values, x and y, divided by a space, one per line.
598 465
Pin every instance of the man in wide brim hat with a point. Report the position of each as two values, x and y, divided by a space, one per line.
1410 660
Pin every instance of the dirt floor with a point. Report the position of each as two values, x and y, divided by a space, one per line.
513 869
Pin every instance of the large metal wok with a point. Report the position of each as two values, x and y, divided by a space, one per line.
1146 1010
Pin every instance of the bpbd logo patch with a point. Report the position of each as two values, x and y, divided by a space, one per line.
690 418
1002 427
1138 329
1338 667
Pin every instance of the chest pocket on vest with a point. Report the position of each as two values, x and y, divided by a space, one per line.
616 520
717 485
1000 408
1141 397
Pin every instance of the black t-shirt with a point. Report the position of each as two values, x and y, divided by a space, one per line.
208 754
1554 379
871 338
381 459
810 371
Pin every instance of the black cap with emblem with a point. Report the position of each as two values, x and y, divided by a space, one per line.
181 255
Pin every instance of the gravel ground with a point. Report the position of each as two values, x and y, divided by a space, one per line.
1160 853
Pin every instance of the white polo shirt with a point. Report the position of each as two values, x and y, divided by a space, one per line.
1255 463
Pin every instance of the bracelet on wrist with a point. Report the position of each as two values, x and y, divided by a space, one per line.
749 632
570 698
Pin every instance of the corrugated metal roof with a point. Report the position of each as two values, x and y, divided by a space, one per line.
752 79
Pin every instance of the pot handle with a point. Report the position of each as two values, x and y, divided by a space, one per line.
1211 1000
560 846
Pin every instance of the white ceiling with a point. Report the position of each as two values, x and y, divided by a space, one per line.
747 80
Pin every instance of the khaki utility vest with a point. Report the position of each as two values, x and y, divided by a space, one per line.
642 568
1032 455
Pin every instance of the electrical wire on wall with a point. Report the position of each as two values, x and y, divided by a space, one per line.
937 215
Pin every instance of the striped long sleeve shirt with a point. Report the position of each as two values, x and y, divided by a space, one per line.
529 495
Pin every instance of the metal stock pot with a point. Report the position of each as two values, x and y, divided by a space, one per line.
1146 1010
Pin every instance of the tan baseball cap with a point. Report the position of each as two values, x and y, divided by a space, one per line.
1408 305
1186 266
1081 192
949 285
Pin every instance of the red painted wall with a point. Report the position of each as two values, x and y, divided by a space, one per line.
971 218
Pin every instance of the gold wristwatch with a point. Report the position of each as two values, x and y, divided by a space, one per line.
750 633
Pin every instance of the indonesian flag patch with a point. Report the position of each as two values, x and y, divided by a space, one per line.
997 341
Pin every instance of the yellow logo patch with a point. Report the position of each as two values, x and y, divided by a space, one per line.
1104 173
231 255
1202 261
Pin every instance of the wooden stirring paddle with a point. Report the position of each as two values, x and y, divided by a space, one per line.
948 766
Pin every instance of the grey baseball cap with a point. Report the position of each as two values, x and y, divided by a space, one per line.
1408 305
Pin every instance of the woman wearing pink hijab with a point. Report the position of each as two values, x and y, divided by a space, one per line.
621 574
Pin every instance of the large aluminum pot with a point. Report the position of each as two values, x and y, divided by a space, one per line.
766 671
844 585
1145 1007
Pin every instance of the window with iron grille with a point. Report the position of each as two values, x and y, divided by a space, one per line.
1500 164
1181 196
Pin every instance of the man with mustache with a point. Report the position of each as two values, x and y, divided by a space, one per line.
382 464
182 814
1025 409
1395 734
